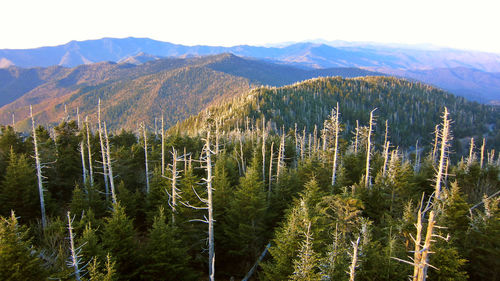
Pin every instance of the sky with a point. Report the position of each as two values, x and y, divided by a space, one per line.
471 25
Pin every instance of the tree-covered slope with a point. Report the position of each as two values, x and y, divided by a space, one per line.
411 109
174 87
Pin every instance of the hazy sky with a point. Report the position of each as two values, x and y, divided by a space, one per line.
471 24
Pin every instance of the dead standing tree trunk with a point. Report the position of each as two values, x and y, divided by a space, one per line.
91 170
207 159
336 128
82 151
109 167
75 259
38 171
368 149
146 156
103 152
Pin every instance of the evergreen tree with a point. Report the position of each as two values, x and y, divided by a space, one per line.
165 254
18 190
119 238
108 273
18 259
246 217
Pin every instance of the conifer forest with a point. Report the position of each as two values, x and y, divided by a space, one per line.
370 178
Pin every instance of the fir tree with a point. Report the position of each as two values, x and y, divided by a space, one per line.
119 238
18 259
165 254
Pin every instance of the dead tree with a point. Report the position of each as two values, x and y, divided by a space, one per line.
207 160
281 157
162 148
270 171
445 137
109 167
75 258
263 151
368 149
38 171
103 152
386 157
482 153
82 150
174 194
91 170
146 156
416 168
356 138
336 128
354 259
470 160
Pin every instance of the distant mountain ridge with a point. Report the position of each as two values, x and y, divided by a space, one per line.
316 55
425 64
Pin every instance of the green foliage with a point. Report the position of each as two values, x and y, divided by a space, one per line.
119 239
18 189
108 273
18 260
246 218
165 254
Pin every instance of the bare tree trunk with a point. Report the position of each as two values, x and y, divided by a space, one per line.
110 169
482 153
270 172
315 138
38 171
356 138
445 138
386 156
470 160
263 151
175 176
368 150
354 260
417 255
103 153
162 148
281 156
75 259
303 144
82 152
146 157
216 136
336 143
185 160
91 170
211 247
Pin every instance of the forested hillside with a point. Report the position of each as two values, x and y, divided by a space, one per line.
244 195
411 110
133 93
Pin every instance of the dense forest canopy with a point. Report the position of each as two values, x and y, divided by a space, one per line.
333 201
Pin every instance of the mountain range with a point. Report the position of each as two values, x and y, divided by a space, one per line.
474 75
133 92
